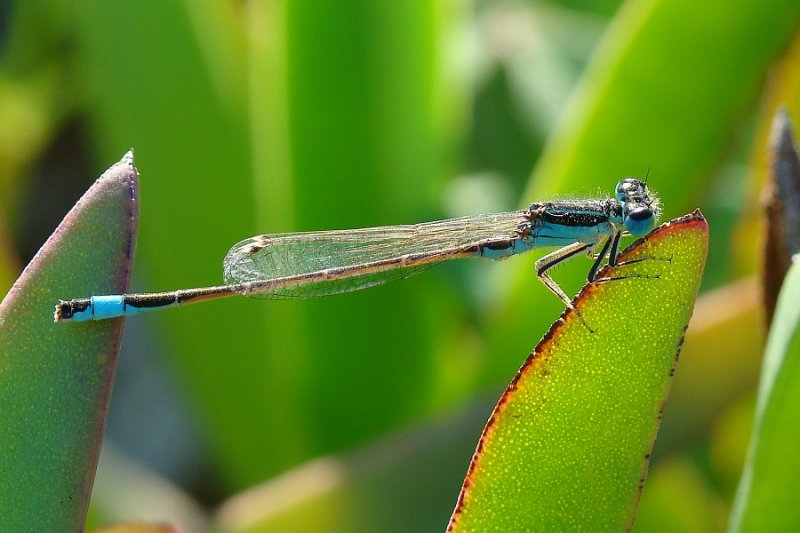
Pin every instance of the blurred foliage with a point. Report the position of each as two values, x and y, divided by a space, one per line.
264 116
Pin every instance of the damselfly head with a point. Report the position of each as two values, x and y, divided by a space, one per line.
640 209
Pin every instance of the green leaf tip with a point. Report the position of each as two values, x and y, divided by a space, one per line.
55 382
568 443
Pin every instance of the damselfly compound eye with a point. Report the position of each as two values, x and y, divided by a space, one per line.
639 221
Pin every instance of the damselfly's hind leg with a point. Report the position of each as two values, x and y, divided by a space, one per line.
557 257
563 254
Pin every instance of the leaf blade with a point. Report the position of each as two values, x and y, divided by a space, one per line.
766 497
55 380
568 443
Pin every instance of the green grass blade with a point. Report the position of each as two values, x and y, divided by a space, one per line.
568 444
767 496
55 379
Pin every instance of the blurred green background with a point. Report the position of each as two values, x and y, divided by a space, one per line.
361 411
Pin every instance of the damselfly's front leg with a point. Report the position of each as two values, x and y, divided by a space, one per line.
614 262
610 248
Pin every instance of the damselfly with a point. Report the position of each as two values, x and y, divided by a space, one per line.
308 265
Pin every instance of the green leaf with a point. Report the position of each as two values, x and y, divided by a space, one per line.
767 496
568 444
55 379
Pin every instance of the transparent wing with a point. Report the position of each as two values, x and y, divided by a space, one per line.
308 265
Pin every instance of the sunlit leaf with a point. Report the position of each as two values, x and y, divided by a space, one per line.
568 444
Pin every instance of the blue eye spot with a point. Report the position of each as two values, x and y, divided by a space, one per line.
639 221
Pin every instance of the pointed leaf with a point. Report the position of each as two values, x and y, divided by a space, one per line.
55 379
568 444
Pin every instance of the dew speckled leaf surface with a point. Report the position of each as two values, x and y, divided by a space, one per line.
567 445
55 379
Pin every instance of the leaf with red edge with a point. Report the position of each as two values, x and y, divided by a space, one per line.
568 444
